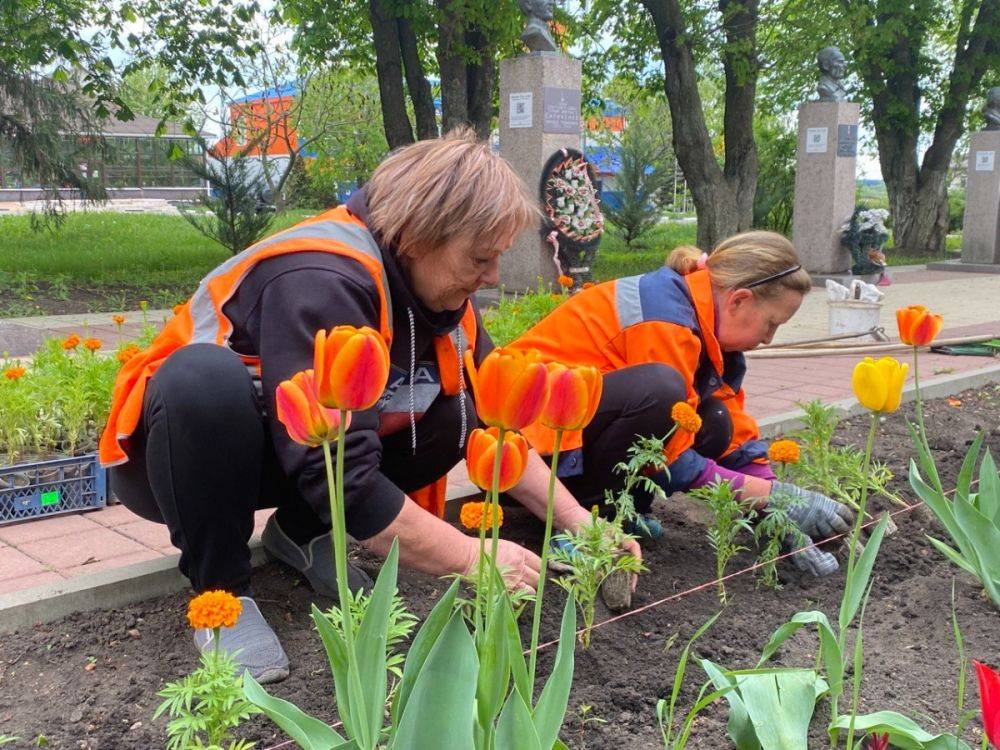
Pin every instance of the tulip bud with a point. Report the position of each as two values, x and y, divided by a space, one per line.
351 366
917 326
511 388
308 422
878 385
481 454
574 393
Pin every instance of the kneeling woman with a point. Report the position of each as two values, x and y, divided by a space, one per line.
193 437
678 334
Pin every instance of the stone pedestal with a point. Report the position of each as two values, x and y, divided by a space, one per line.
981 226
539 114
825 184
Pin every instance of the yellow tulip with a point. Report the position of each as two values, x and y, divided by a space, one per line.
878 384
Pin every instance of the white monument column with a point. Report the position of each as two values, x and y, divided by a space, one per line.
981 227
539 114
825 184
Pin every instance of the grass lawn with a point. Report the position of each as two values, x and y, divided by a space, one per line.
615 260
105 261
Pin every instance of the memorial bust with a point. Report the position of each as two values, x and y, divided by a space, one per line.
536 32
992 109
832 67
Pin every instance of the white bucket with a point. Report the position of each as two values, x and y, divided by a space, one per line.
853 316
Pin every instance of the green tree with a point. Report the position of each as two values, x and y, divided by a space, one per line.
774 200
919 70
350 150
694 40
404 43
60 82
648 169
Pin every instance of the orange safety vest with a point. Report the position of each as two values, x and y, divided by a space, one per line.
201 320
655 317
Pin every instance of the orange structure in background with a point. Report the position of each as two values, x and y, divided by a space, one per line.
260 125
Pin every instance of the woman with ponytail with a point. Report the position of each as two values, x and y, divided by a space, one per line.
678 334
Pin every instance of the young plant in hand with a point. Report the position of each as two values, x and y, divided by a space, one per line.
592 553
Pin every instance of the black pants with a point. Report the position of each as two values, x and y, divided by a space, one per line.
636 401
201 461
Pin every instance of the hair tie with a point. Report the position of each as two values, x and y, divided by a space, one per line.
702 262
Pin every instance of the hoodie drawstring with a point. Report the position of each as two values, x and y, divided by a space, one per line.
413 377
460 346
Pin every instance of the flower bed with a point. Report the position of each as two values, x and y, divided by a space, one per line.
49 687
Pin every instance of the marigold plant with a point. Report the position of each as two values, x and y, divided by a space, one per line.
71 342
784 452
685 417
471 516
13 373
214 609
566 282
92 344
119 320
126 353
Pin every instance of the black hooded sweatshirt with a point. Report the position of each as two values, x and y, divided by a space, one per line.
276 313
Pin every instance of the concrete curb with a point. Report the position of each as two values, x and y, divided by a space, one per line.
780 424
145 580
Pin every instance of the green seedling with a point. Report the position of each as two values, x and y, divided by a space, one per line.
728 520
593 554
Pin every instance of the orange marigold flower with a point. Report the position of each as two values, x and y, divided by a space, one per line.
472 514
13 373
126 353
566 282
118 319
71 342
784 452
214 609
685 417
92 344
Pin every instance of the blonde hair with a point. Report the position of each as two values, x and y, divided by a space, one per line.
742 259
424 194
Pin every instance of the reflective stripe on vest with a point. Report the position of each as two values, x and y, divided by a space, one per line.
628 304
204 315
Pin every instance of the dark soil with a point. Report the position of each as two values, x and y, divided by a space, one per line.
40 297
47 688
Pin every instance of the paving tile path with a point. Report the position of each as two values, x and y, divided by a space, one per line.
42 552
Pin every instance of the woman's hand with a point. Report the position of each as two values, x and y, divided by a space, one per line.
519 566
816 515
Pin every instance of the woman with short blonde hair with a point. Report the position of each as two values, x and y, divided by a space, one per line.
193 439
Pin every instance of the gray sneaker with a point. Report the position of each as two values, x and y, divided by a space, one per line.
251 642
314 560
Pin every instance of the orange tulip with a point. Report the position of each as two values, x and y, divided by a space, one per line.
511 388
574 393
351 366
308 422
917 326
482 451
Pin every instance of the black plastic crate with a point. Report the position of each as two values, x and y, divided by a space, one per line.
50 488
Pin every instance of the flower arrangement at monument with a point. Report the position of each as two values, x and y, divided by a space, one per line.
865 235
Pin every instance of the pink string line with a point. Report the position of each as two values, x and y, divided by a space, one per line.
694 590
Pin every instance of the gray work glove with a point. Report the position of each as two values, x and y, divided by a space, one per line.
812 559
814 513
